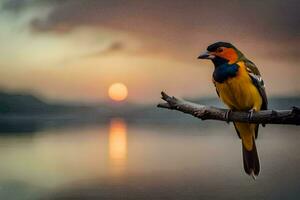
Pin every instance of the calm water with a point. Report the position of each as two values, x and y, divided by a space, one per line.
118 160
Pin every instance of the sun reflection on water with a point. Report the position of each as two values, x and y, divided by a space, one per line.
117 146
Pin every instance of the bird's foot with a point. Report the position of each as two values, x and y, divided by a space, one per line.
250 115
227 115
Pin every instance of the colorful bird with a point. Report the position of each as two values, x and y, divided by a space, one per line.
239 85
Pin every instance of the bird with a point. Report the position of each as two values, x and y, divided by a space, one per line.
240 86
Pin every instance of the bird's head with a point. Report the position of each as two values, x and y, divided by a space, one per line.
221 52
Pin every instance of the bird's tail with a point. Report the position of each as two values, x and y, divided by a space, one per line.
251 160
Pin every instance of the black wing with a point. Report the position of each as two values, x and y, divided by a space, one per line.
259 84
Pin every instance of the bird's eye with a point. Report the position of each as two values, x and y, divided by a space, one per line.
219 50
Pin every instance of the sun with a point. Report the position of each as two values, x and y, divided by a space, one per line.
118 92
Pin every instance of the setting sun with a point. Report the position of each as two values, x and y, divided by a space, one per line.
118 92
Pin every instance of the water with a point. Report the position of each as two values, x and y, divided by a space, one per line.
120 160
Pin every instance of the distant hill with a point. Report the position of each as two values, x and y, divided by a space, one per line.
26 104
20 103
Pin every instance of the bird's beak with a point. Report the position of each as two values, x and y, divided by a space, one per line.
206 55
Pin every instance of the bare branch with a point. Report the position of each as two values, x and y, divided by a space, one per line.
209 112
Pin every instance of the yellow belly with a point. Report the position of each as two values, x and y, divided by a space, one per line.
239 93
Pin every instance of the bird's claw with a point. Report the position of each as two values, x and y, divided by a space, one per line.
250 115
227 115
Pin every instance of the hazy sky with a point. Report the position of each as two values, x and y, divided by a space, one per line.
75 49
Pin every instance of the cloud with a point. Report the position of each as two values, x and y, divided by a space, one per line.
171 25
18 6
146 16
14 5
173 21
111 48
172 17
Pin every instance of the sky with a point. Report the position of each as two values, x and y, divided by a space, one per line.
75 49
